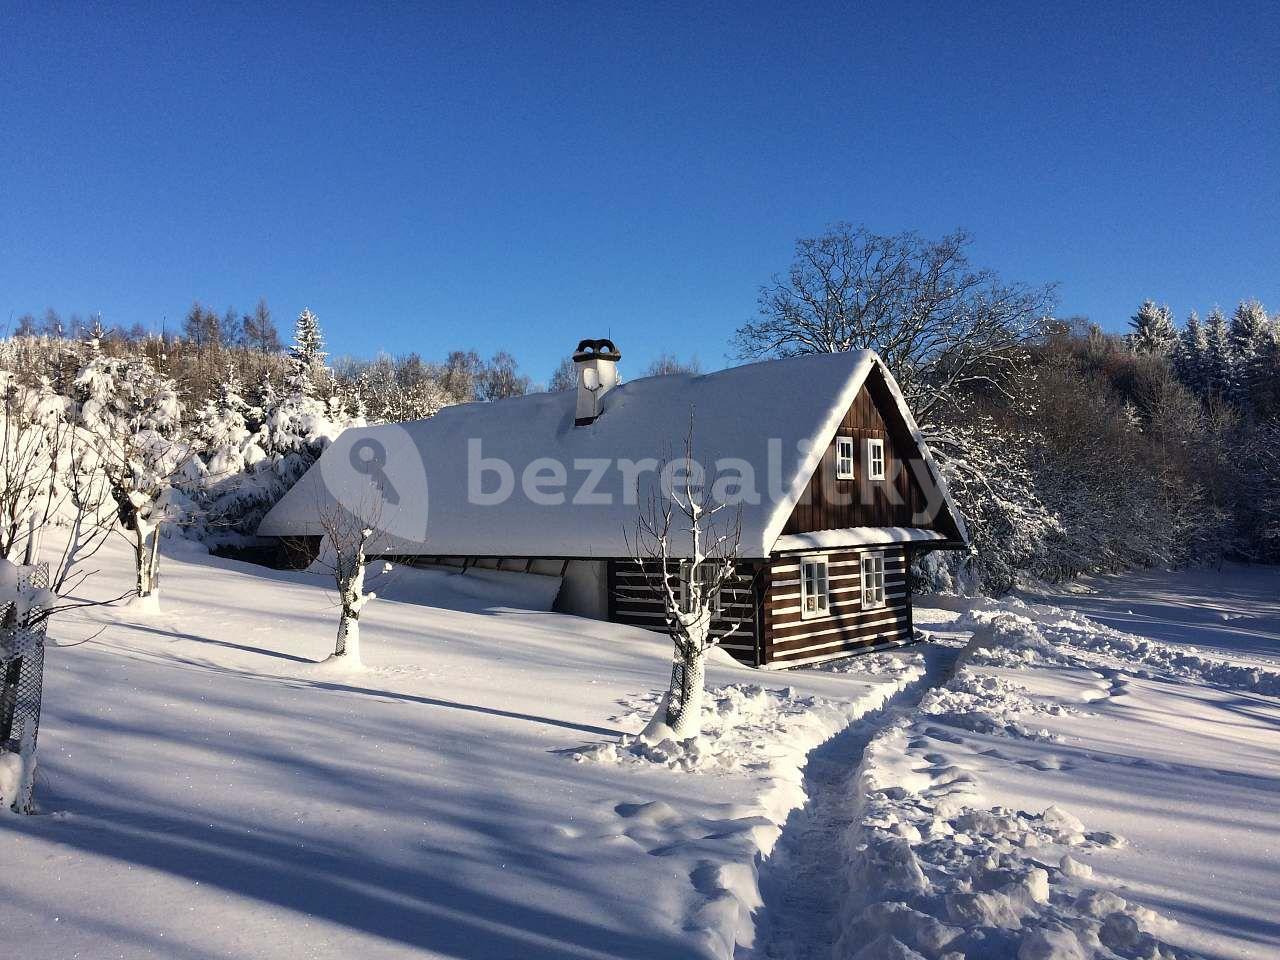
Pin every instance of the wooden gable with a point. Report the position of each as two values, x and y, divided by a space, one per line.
896 501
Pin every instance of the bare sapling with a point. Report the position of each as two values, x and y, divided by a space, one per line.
686 546
344 553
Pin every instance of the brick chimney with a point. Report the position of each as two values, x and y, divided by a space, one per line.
596 364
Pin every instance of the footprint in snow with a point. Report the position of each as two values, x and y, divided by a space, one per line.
938 733
655 812
1048 763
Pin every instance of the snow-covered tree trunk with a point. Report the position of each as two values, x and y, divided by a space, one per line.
18 776
35 535
145 539
681 707
25 604
348 531
349 573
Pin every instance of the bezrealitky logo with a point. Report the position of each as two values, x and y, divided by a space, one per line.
377 475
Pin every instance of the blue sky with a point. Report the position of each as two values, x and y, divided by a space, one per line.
431 176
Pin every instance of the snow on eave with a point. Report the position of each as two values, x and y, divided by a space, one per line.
856 537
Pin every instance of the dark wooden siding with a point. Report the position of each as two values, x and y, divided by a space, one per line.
633 601
848 627
543 566
897 501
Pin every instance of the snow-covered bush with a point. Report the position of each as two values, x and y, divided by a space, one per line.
988 469
133 415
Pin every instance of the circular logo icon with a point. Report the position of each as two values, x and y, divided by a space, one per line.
377 475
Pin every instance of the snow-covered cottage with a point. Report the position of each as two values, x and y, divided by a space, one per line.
835 483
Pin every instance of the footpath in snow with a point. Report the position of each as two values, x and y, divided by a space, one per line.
207 791
1071 792
806 879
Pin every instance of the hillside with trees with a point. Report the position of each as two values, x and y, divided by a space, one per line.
1070 450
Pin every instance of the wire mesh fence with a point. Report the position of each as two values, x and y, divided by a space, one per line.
21 664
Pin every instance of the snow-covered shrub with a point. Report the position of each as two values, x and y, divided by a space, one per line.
1011 530
133 415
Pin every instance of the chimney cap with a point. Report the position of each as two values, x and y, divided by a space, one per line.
596 350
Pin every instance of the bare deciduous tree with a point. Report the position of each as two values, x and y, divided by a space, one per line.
347 535
29 422
564 377
668 363
51 470
940 325
689 579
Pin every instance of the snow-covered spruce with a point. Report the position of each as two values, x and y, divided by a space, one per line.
1153 329
289 430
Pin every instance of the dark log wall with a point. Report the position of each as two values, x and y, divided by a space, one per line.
632 600
897 501
848 628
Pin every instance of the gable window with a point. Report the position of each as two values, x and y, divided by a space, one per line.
844 458
815 597
706 576
875 459
872 580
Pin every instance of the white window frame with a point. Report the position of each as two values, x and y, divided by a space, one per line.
875 459
822 606
872 580
846 453
703 569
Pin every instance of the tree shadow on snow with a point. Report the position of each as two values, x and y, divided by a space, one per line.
423 908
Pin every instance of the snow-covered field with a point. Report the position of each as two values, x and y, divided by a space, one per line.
1073 791
207 790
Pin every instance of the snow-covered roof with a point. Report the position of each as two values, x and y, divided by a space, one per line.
773 419
855 537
